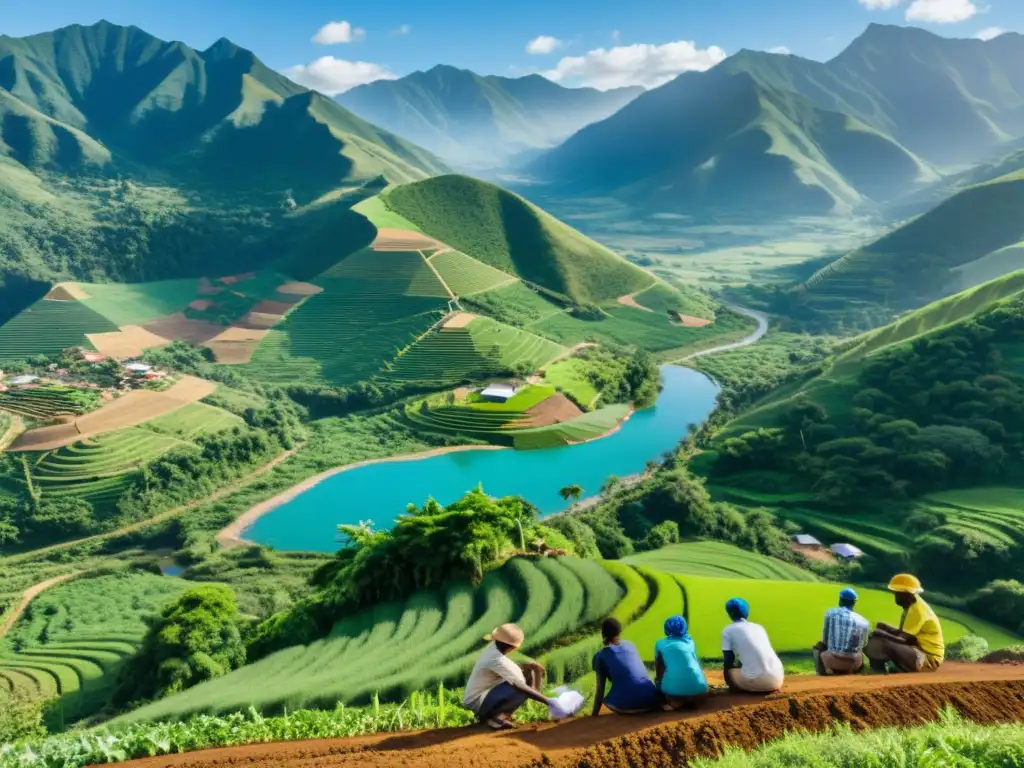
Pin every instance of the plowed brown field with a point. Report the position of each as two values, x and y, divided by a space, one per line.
983 693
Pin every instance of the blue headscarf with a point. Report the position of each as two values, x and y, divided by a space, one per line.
737 606
675 626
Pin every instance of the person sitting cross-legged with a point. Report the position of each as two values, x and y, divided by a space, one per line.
497 686
759 669
677 671
917 644
842 638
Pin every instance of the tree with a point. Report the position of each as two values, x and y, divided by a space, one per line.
196 638
571 493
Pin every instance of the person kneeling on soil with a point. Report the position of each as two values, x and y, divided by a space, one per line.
761 670
677 671
842 638
497 686
632 690
917 644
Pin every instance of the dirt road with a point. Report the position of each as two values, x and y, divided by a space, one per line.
984 693
9 619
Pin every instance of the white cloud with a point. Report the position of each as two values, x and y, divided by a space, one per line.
990 33
616 36
543 44
779 49
333 76
403 29
879 5
941 11
338 32
639 64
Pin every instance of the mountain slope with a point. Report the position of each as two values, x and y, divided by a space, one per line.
481 121
506 232
952 247
216 118
723 138
907 102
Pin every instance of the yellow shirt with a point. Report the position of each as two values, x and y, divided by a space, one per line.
920 621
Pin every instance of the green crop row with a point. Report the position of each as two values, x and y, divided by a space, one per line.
48 327
465 275
714 558
385 273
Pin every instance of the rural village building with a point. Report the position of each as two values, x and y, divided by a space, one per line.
499 391
138 368
846 551
21 381
806 540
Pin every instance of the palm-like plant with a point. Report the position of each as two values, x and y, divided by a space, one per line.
571 493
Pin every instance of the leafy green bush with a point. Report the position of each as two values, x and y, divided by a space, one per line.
967 648
21 717
1001 601
663 534
196 638
950 742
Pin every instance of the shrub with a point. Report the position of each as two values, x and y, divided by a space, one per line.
967 648
662 535
21 717
1000 601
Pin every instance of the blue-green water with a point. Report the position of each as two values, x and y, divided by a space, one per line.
380 492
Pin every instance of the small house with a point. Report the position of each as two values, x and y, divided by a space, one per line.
155 375
22 381
93 357
846 551
499 392
139 369
806 540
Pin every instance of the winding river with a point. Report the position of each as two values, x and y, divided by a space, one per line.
381 491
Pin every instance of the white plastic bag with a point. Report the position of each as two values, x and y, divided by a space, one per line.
566 704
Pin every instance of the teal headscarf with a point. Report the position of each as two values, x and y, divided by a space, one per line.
675 626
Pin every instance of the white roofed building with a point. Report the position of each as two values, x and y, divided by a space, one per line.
499 391
847 551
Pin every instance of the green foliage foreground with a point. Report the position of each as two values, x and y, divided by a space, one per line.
950 742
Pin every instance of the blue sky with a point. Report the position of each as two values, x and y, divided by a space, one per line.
604 43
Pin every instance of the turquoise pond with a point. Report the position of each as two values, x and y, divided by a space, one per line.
380 492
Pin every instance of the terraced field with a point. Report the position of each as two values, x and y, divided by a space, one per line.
715 558
98 469
587 427
75 637
47 327
876 536
993 513
465 275
396 648
48 402
193 420
374 304
482 348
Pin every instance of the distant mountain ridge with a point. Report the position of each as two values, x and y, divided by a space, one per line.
90 96
776 132
482 121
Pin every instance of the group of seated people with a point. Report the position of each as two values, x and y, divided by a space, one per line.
497 686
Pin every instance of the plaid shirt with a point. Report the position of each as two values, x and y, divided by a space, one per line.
845 631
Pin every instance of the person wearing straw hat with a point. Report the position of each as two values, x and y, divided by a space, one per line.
842 638
677 671
751 664
917 644
497 686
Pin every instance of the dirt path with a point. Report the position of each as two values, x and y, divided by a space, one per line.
762 329
9 619
233 535
162 517
983 693
451 293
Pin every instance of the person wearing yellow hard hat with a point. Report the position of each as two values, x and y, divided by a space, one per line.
497 686
917 644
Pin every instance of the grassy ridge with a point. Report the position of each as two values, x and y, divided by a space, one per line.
714 558
506 232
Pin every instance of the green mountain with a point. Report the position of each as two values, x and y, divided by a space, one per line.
772 132
508 233
482 121
116 96
972 237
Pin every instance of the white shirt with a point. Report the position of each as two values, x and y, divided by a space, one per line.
493 667
750 643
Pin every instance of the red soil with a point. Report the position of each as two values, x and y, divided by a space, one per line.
985 694
268 307
554 410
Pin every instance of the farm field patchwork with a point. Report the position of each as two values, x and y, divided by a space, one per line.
715 558
138 303
441 631
49 326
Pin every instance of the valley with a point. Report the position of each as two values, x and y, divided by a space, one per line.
302 395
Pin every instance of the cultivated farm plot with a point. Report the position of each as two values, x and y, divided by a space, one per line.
43 403
481 348
396 648
138 303
569 376
876 536
465 275
48 327
993 513
715 558
193 420
587 427
89 628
